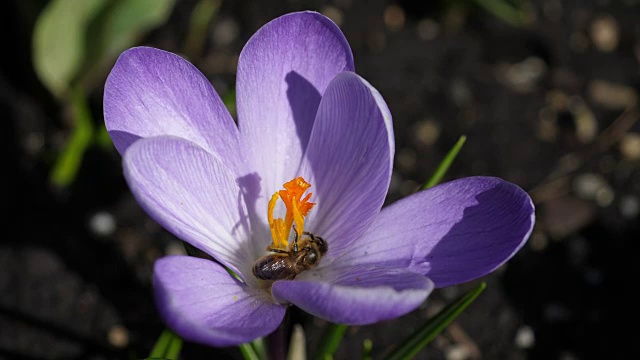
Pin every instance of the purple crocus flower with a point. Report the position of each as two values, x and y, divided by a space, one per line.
303 115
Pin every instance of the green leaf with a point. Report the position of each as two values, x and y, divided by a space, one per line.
168 346
59 41
412 345
201 16
443 167
229 100
125 21
330 341
118 27
69 160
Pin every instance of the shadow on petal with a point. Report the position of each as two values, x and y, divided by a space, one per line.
480 241
303 97
122 139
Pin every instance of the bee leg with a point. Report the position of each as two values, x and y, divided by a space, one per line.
310 235
276 250
295 240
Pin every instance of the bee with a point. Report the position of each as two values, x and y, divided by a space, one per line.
285 265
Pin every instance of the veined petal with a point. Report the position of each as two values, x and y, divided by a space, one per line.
452 233
151 92
192 194
355 295
201 302
282 73
348 161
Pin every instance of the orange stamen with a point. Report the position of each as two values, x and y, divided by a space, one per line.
297 209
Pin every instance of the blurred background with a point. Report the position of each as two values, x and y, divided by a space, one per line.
546 92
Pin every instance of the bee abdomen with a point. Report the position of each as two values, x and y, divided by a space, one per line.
272 268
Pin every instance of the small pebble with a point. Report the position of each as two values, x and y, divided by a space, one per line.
334 14
175 248
605 33
605 197
585 120
525 337
612 95
587 185
427 132
630 146
118 336
406 159
225 31
629 206
394 17
457 352
102 223
523 76
539 241
428 29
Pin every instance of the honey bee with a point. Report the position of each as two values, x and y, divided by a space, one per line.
285 265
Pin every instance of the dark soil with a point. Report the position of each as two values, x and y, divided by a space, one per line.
550 106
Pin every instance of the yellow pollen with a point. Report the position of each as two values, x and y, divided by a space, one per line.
297 208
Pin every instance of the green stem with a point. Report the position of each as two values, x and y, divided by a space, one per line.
330 341
69 160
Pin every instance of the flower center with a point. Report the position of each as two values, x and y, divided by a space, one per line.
286 260
297 209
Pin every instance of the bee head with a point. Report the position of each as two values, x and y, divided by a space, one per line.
322 245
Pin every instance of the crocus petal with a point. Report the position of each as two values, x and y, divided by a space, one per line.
355 295
452 233
151 92
283 71
201 302
348 161
192 194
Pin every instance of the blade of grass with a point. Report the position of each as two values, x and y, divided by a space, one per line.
248 352
162 344
330 341
367 349
259 348
444 165
167 346
175 346
413 344
512 14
